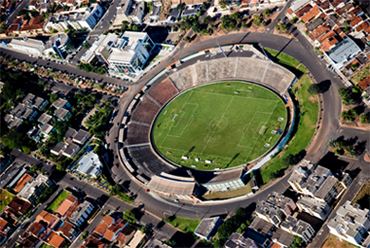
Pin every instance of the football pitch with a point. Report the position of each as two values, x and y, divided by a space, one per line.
229 123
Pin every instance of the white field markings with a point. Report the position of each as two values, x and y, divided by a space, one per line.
177 123
258 98
199 153
218 123
259 133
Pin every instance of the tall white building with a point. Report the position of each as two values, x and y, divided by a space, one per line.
29 46
126 54
352 224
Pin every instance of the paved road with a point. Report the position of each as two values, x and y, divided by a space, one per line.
281 15
14 14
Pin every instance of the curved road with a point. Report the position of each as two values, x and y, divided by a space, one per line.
330 122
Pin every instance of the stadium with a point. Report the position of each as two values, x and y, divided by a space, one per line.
203 125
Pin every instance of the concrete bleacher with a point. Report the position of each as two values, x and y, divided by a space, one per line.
243 68
148 161
137 134
163 91
147 111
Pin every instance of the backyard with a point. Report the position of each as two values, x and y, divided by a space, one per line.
335 242
5 199
58 201
308 105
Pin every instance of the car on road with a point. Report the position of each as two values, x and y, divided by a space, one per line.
176 200
115 139
147 190
116 165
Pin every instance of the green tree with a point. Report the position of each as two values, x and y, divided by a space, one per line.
266 12
313 89
180 7
365 118
53 98
3 28
223 3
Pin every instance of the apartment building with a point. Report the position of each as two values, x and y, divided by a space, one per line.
299 228
314 207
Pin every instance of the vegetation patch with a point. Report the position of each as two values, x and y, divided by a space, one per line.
183 224
361 75
288 62
306 119
334 242
5 199
58 201
229 194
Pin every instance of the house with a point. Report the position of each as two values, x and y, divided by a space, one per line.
260 239
90 165
71 150
81 137
21 182
125 236
50 220
19 206
236 240
114 230
275 208
81 213
36 229
61 103
364 84
175 13
58 148
93 242
62 114
137 13
191 10
262 226
68 231
342 53
46 129
57 22
55 240
283 238
208 227
314 207
66 205
33 189
33 101
351 224
15 26
156 10
299 228
33 26
103 225
44 118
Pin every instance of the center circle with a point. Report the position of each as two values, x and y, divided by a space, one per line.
218 124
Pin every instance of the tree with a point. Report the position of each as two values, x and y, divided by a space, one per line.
3 28
180 7
331 143
207 20
223 3
364 118
135 28
266 12
313 89
86 45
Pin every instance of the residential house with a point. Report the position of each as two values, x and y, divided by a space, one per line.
81 214
68 231
191 10
125 236
158 244
208 227
66 205
61 103
174 15
275 208
36 229
103 225
71 150
260 239
81 137
55 240
238 241
314 207
114 230
69 133
156 10
343 53
262 226
62 114
351 224
21 182
51 221
58 148
44 118
90 165
283 238
33 189
33 26
15 26
45 130
93 242
137 13
299 228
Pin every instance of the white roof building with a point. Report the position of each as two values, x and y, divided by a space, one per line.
90 165
29 46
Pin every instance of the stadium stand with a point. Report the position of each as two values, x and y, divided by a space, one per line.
147 110
164 91
137 134
148 160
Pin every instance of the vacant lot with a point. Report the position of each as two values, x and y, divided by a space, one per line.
334 242
361 75
363 197
58 201
5 198
183 224
229 123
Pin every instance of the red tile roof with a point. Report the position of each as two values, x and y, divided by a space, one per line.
103 225
34 24
311 14
328 35
362 26
3 224
55 240
364 83
367 30
92 242
355 20
35 228
319 31
19 205
304 10
21 182
50 219
66 229
66 204
328 43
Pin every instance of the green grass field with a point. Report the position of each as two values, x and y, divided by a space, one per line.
5 199
58 201
228 123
